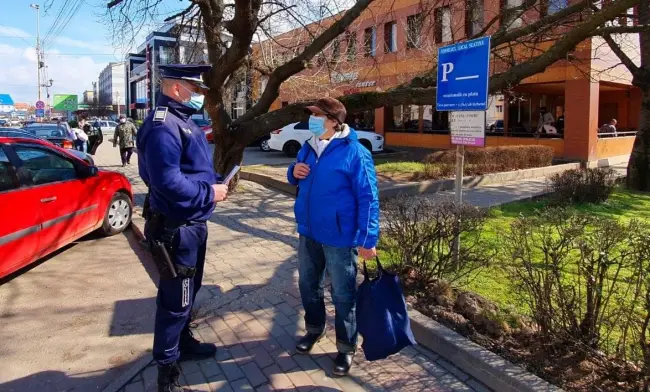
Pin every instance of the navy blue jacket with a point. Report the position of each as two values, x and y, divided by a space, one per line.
338 202
175 163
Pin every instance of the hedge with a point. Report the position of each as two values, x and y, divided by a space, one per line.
491 159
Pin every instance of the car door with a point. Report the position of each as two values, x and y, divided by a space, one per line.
20 223
68 206
301 132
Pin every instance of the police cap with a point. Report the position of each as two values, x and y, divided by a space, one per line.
190 72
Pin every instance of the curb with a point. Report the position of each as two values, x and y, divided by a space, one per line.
432 186
482 364
129 373
137 224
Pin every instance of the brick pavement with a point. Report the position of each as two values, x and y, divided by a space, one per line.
250 307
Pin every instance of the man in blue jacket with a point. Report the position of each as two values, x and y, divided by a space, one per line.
175 163
337 212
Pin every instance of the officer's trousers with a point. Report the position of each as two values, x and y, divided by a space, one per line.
176 296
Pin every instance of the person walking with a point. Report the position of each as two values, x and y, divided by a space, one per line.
337 212
81 138
125 134
176 165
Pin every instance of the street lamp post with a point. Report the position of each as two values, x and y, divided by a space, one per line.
38 47
117 94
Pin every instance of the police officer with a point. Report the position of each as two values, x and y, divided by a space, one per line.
175 163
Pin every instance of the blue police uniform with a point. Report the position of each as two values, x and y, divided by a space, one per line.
175 163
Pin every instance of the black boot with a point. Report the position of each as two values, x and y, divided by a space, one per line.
306 343
168 378
190 348
342 364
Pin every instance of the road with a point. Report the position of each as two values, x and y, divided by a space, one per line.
76 319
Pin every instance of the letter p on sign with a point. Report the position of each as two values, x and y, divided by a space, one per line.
447 68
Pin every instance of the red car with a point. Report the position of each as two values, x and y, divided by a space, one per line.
49 198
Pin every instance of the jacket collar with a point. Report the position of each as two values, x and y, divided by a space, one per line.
346 134
176 108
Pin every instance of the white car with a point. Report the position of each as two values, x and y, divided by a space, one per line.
107 126
290 139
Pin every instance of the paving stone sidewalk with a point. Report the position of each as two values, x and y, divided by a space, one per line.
250 307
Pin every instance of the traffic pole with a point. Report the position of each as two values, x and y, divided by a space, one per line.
460 162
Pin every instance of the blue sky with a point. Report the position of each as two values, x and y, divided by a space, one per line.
74 57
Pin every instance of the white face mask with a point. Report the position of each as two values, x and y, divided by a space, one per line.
122 120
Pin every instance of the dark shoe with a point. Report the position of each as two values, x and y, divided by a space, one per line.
190 348
342 364
306 343
168 378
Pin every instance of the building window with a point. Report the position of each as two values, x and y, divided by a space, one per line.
443 24
336 49
414 31
499 108
550 7
352 46
514 20
390 37
370 41
473 17
165 55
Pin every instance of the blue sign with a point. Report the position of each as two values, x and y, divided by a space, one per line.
40 113
463 76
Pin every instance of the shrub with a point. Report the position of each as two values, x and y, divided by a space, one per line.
583 186
420 233
490 159
583 279
73 123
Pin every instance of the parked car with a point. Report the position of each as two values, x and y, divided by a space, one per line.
107 126
49 198
496 126
290 139
59 134
16 132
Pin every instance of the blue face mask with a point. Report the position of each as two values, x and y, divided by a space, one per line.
317 125
196 100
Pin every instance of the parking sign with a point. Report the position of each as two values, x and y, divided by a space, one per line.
463 76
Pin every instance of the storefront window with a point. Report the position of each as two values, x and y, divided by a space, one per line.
363 121
407 118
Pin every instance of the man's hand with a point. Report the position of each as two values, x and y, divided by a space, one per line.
367 254
301 171
220 192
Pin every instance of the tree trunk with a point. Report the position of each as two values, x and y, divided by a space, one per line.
228 151
638 169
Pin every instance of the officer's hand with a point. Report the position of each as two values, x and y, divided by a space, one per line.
301 171
220 192
367 254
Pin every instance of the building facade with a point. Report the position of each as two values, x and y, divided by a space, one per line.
170 44
395 40
6 104
112 84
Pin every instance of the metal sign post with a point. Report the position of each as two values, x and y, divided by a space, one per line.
462 90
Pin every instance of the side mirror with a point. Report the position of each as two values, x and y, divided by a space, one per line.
89 171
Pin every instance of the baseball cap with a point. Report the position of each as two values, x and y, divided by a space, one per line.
329 107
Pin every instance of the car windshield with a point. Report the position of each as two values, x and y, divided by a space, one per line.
302 125
47 131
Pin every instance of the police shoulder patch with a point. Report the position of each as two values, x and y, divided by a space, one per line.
160 114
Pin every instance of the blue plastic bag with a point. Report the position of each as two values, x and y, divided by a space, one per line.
382 318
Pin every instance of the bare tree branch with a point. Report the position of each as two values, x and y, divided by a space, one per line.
625 59
622 29
298 63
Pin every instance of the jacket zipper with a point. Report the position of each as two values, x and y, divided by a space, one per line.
312 181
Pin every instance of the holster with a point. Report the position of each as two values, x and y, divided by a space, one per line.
160 239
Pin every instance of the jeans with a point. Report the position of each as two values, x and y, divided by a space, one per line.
81 145
341 264
125 154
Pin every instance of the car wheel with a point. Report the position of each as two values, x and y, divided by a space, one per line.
264 145
291 148
366 144
118 214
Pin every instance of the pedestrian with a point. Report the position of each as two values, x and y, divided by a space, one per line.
81 141
125 134
176 165
610 128
337 212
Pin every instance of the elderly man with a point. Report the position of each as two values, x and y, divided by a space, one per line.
176 165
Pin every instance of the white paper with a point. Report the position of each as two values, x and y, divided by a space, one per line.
232 174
